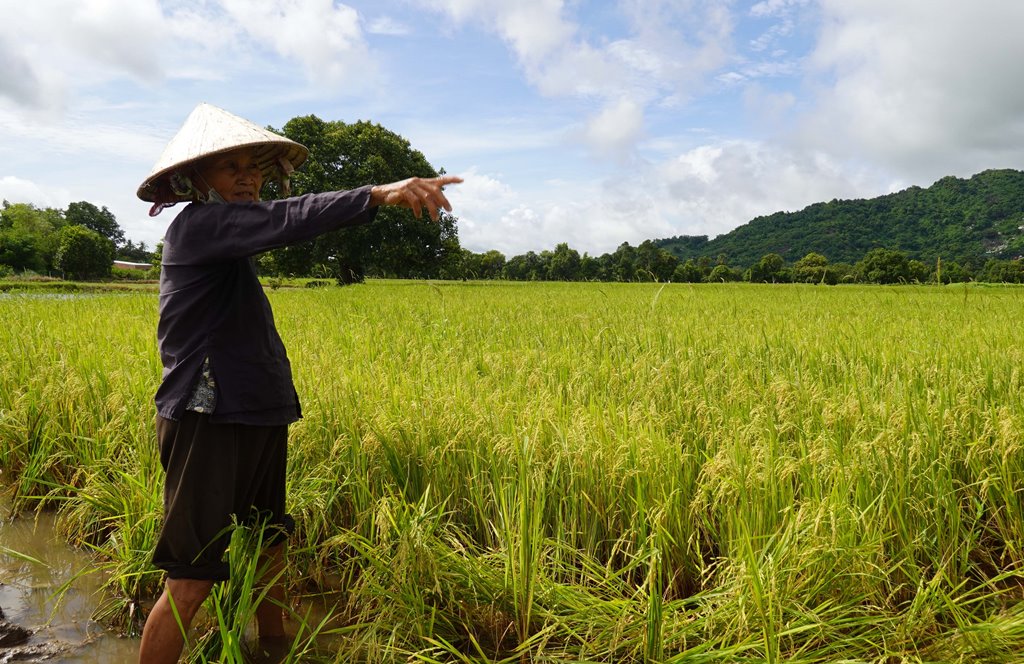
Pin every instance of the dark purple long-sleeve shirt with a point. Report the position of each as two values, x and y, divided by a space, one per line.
212 304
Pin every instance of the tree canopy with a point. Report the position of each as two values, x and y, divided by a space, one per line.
395 244
82 253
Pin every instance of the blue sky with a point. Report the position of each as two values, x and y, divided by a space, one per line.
592 123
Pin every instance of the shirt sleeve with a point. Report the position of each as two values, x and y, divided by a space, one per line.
216 232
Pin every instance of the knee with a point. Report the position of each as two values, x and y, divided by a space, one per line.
188 594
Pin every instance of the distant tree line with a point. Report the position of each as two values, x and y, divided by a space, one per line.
956 230
82 241
648 262
79 242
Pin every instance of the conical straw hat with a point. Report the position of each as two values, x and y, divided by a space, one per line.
209 131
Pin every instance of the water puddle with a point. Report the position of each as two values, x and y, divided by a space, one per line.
61 631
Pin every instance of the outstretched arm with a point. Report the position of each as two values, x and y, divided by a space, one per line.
415 194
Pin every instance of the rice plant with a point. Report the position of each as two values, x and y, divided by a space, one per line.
578 472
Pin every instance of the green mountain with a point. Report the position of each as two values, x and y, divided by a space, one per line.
968 221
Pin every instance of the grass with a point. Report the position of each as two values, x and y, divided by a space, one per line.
581 472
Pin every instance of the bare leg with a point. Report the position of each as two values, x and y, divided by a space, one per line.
269 614
163 637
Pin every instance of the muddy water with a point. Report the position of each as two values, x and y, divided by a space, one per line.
61 631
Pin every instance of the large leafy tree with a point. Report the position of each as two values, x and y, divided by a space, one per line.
346 156
884 266
564 264
811 269
28 236
82 253
769 269
101 220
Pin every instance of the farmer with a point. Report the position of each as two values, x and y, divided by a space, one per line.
227 397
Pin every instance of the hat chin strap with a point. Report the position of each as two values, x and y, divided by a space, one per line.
211 195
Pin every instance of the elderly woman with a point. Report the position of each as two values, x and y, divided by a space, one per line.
227 397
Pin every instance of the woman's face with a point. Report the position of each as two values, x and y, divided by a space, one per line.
235 175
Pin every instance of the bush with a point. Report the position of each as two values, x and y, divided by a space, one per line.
124 274
6 271
723 273
83 253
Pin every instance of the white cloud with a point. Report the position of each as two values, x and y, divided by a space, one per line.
120 35
714 188
670 48
532 28
616 128
67 47
64 44
21 80
707 190
325 37
772 35
17 190
386 25
926 87
776 7
77 137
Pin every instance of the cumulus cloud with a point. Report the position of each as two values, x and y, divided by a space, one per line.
532 28
324 36
20 82
120 35
67 47
64 44
922 86
706 190
713 188
616 128
670 47
18 190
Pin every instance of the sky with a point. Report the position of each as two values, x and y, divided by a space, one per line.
587 122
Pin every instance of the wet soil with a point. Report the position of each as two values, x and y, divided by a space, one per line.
35 626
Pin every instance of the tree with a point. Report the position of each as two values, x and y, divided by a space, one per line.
768 269
491 264
811 269
345 156
135 252
19 251
565 264
28 238
688 272
96 219
83 253
951 273
526 267
1002 271
884 266
918 271
723 273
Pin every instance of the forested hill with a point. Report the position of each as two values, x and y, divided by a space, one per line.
968 221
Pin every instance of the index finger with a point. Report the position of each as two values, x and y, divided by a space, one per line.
446 179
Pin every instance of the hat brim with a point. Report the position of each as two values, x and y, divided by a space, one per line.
210 131
267 156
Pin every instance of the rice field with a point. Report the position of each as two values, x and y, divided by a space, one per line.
577 472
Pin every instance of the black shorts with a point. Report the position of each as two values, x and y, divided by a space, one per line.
215 472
